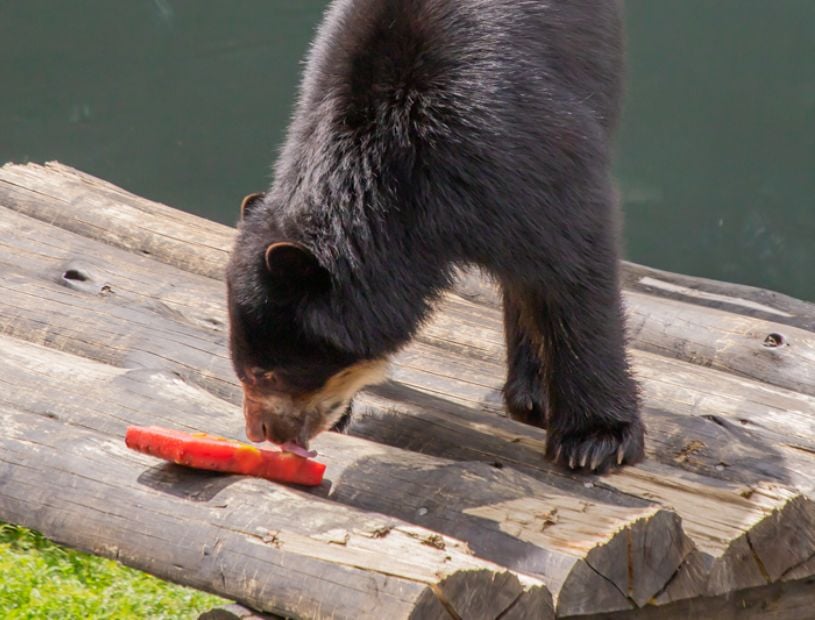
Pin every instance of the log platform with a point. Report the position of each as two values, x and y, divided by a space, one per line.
435 506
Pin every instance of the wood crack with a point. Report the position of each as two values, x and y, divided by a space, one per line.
510 607
625 595
793 568
759 562
448 607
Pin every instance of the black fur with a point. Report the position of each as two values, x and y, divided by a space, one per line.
433 133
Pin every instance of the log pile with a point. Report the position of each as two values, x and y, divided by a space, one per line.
435 504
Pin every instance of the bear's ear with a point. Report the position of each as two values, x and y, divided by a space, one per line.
294 270
250 202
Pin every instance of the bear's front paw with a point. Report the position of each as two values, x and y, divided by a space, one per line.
595 450
524 400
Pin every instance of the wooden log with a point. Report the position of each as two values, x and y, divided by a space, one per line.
736 298
727 296
755 348
501 513
93 208
780 601
701 420
66 475
803 571
188 321
82 288
736 431
126 216
680 388
771 352
731 563
716 515
457 369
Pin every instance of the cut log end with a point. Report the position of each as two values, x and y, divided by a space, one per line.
484 595
632 568
773 547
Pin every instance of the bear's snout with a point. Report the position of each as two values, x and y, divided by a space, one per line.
275 419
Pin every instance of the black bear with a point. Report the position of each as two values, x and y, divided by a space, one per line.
430 134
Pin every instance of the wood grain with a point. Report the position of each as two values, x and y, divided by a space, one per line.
65 471
437 505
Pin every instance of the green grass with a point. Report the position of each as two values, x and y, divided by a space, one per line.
40 579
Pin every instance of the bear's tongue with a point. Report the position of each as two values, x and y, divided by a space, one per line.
297 449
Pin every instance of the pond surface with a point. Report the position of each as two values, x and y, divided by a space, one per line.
186 102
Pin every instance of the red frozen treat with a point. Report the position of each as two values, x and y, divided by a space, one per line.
204 451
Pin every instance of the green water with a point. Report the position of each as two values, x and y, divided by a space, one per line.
186 101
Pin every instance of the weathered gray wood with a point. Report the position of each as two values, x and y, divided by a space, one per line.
783 542
717 339
690 579
178 305
657 534
715 514
60 498
770 352
91 207
736 298
702 421
732 298
64 476
460 594
499 512
132 330
802 571
186 322
780 601
778 354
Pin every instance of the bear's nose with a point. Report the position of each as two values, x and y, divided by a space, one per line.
271 419
255 427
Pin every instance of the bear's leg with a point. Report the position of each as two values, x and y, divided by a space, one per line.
592 399
523 390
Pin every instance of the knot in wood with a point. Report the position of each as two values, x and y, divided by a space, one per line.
74 274
774 340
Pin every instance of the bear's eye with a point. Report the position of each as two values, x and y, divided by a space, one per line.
272 380
256 375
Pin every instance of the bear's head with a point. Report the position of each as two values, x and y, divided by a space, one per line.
296 383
